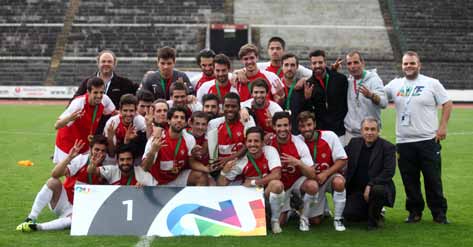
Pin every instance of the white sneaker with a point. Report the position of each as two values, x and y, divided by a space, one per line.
275 227
303 224
338 223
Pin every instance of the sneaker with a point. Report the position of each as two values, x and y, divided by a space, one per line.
339 226
275 227
304 224
413 218
26 227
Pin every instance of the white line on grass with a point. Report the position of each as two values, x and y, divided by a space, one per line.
145 241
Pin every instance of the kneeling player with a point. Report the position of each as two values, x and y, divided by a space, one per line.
260 166
59 196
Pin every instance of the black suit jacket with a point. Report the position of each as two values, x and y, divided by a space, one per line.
153 84
381 167
118 87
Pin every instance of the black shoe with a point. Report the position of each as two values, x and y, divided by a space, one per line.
413 218
441 220
372 227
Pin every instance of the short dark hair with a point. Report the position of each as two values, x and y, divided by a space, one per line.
145 95
281 115
209 96
128 99
289 55
247 49
99 139
232 95
304 116
260 82
177 86
204 53
167 53
177 108
277 39
126 148
317 53
94 82
255 129
200 114
222 59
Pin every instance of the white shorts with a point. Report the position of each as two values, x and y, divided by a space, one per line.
296 187
181 180
324 188
63 207
60 155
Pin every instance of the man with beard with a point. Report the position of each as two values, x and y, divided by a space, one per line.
330 158
326 95
211 105
248 56
178 93
276 48
260 107
205 60
159 82
418 136
294 100
125 128
168 155
261 167
60 195
365 96
221 85
81 119
230 129
297 172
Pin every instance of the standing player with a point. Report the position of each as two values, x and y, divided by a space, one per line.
261 167
60 196
205 60
125 128
260 107
81 118
168 155
221 85
297 169
330 158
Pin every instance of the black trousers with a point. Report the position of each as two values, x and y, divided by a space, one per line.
357 209
417 157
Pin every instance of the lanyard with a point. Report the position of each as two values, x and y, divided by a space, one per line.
218 91
279 71
89 176
408 101
289 95
163 86
178 145
316 134
94 115
130 177
228 130
254 165
358 85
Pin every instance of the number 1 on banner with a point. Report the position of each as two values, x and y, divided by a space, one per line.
129 209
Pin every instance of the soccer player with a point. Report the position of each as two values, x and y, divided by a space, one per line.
231 139
125 128
298 172
168 155
260 107
211 105
178 93
145 101
205 60
81 118
221 85
248 56
198 128
60 196
330 158
260 166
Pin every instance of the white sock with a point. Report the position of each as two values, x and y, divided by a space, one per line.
339 199
276 201
42 199
57 224
309 201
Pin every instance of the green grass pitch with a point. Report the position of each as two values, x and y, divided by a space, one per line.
27 133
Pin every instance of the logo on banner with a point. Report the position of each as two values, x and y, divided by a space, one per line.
82 190
216 222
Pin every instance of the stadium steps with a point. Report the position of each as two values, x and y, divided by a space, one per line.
61 42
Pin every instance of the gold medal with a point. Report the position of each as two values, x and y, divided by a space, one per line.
175 169
90 138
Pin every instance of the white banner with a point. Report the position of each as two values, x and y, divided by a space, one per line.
168 211
37 92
